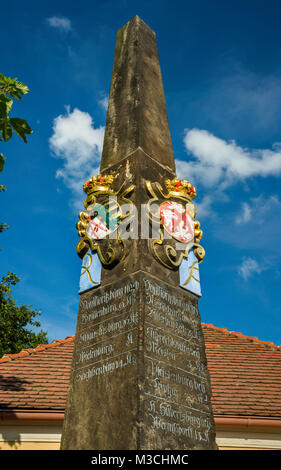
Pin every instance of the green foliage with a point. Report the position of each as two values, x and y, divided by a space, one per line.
15 322
3 226
11 88
2 161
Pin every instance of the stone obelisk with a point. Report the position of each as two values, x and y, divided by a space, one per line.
139 373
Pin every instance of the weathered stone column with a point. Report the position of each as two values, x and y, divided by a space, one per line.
139 378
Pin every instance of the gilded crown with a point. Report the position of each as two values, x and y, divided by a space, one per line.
180 188
98 183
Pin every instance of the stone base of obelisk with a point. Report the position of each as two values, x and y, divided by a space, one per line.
139 378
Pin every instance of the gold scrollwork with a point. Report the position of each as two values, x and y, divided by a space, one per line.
191 270
85 269
163 248
110 250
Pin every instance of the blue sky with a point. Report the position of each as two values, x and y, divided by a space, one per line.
221 64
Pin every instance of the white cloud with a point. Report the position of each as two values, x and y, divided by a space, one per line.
263 209
221 163
246 214
78 143
104 103
249 267
262 232
204 208
59 22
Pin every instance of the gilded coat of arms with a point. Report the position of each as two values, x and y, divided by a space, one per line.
99 225
174 210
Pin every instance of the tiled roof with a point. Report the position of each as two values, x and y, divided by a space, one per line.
245 375
36 378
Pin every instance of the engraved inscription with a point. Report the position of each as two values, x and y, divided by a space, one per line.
169 316
175 343
106 347
172 382
108 296
178 420
95 352
107 332
176 393
176 382
173 347
171 299
112 326
128 358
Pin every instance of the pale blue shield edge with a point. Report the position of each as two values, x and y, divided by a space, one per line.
189 274
90 272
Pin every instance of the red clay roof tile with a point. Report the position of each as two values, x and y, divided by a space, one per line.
245 375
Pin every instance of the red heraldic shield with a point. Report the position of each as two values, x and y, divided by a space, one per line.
177 220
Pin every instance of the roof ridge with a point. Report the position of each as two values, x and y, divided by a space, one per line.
40 347
241 335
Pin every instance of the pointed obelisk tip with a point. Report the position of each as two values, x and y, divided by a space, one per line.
136 20
137 114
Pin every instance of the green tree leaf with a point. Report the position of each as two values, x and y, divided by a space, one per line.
21 88
7 131
2 161
3 226
5 106
13 320
13 87
16 323
21 127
